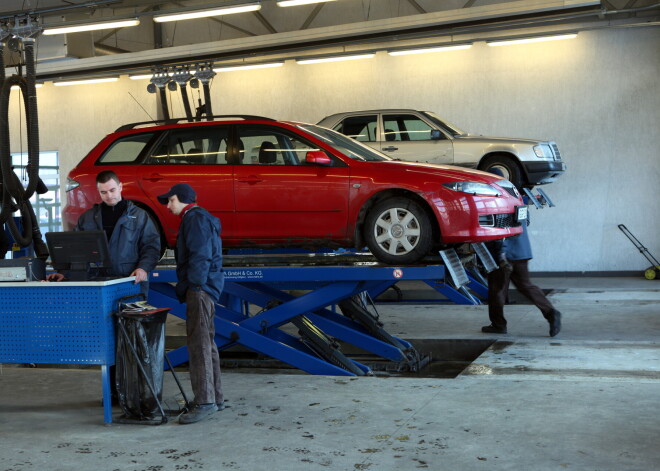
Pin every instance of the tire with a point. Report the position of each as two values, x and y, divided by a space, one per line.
398 231
509 167
159 228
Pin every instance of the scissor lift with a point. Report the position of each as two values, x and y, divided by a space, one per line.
257 302
313 313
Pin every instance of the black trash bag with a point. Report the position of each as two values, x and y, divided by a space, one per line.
146 333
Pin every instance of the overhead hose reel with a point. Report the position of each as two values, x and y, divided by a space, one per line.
183 77
14 196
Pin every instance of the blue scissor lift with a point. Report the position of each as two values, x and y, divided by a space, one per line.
316 350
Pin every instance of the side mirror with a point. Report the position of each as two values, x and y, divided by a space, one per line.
436 135
317 157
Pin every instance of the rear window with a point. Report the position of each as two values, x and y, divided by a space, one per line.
360 128
126 149
199 145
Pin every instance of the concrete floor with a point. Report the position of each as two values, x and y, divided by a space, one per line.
587 399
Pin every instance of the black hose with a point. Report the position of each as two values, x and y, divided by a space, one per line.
11 186
32 118
186 102
163 103
207 100
25 238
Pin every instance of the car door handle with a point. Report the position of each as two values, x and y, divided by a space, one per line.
390 148
251 179
154 177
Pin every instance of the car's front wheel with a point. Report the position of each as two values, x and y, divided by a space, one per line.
398 231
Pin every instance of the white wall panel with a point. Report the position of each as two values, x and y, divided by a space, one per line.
598 96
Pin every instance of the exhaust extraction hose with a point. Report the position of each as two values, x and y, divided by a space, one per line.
11 186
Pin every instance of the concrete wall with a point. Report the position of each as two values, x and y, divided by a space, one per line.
597 95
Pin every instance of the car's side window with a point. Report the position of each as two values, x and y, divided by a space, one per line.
126 150
361 128
405 127
202 146
268 146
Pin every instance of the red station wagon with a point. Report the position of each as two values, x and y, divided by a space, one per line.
286 184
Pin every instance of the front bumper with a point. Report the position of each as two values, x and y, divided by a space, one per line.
539 173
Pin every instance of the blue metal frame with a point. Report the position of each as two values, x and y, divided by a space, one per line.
260 286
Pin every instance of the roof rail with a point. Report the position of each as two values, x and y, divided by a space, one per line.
178 120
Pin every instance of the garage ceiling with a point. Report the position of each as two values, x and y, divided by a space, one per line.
274 32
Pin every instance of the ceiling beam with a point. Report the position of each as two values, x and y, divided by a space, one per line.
262 19
312 15
420 25
416 6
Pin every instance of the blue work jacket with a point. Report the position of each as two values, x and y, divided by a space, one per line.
199 254
518 247
135 241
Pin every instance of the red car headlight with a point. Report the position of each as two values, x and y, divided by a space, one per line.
473 188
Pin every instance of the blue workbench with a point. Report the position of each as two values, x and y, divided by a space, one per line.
62 323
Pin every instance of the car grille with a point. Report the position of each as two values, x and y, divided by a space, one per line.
555 150
513 192
501 221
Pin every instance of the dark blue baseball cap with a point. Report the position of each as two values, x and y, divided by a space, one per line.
183 191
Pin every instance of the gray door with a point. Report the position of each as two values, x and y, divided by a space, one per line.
408 137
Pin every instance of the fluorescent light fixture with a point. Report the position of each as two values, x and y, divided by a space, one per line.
145 76
404 52
92 26
140 77
84 82
231 68
36 85
294 3
335 58
189 15
555 37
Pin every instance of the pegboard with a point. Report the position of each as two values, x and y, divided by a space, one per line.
67 323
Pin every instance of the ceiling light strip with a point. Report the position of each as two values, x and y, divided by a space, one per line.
335 58
404 52
85 82
91 26
505 42
246 7
295 3
37 85
232 68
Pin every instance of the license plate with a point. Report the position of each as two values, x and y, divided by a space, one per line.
521 213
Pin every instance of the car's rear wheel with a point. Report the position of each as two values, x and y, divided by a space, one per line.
398 231
507 165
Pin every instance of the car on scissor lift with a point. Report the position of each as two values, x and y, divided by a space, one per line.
422 136
277 184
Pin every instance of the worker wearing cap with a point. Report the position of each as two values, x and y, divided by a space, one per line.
198 256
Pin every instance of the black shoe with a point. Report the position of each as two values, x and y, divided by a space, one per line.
491 329
221 405
554 319
197 413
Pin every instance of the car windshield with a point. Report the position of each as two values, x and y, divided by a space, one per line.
347 146
453 130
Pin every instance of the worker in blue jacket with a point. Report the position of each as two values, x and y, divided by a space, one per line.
200 277
512 257
133 239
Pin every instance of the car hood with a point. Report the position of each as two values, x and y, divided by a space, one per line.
447 171
503 140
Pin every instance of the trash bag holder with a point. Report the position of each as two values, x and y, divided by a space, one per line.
139 364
